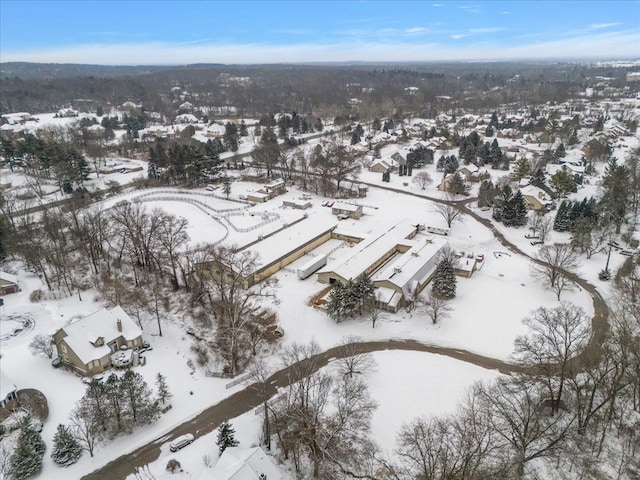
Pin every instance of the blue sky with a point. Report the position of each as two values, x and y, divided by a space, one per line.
182 32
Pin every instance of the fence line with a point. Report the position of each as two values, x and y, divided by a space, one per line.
236 381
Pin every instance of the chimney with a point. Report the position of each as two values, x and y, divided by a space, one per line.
119 324
263 476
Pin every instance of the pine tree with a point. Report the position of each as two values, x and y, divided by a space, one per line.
444 280
226 437
561 223
163 388
66 449
140 407
26 459
335 305
518 210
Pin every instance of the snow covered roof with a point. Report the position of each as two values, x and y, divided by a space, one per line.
536 192
103 323
187 118
6 386
414 266
7 277
370 250
237 463
291 238
346 207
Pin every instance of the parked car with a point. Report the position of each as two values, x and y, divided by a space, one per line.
181 442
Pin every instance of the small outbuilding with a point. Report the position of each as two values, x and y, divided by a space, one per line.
351 211
8 283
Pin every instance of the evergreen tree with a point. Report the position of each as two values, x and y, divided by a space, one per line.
561 222
522 168
355 138
616 184
26 459
162 388
66 449
231 137
563 182
457 185
519 210
141 409
489 132
335 304
444 279
560 151
226 437
573 139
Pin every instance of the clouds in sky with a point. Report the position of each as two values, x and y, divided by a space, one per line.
163 53
272 32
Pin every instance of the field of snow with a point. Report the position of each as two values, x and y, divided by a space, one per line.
405 385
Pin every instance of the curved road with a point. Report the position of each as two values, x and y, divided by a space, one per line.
252 396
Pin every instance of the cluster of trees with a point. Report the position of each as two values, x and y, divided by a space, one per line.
185 162
110 408
322 419
472 150
579 411
508 207
447 164
420 156
75 248
51 157
350 299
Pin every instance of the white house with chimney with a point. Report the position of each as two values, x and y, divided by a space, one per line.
89 345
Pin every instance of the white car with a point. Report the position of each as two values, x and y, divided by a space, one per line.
181 442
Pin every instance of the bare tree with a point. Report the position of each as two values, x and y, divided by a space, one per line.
42 344
525 432
437 307
555 261
322 418
86 427
556 335
449 212
544 228
372 308
422 179
352 361
234 301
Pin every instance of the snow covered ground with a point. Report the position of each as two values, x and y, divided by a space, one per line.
405 385
486 318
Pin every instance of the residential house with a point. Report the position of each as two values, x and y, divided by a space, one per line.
238 463
380 166
470 173
8 283
86 345
535 198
